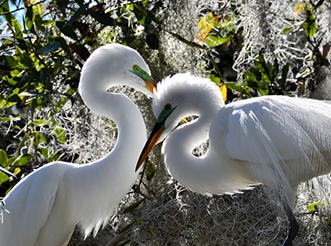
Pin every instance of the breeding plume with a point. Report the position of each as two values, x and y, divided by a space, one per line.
278 141
45 206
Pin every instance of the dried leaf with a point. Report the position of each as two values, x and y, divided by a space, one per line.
205 25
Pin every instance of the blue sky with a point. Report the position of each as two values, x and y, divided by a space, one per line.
18 14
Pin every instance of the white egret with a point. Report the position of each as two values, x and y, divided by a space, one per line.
275 140
44 207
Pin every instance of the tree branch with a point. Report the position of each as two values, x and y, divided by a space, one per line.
18 9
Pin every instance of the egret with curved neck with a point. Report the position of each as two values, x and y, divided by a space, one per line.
44 207
275 140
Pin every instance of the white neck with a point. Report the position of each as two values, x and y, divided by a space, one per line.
110 178
208 174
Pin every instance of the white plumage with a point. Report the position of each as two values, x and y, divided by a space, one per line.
44 207
275 140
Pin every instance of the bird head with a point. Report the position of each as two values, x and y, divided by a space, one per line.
150 83
112 65
177 97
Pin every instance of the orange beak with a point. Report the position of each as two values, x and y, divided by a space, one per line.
151 142
150 85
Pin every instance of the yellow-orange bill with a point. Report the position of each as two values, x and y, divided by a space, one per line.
151 142
150 85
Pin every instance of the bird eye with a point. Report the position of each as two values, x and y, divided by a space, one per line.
168 106
136 68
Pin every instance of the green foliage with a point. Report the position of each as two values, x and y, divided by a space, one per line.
41 58
150 171
309 22
265 80
133 206
40 62
313 207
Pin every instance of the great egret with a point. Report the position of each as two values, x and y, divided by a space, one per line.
275 140
44 207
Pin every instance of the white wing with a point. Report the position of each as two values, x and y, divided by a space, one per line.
283 140
27 208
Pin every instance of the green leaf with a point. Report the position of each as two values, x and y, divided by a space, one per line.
310 23
146 12
60 104
39 122
133 206
45 78
5 104
286 30
8 61
58 132
250 79
264 92
102 18
14 99
10 119
284 75
192 44
47 22
57 67
39 8
78 13
64 44
3 177
19 161
236 87
18 42
150 171
22 143
4 9
215 78
66 30
40 24
18 30
3 158
29 19
126 227
49 48
274 72
39 138
262 65
49 155
152 41
313 207
213 41
131 7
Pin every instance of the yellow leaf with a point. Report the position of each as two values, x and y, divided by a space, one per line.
224 92
205 25
17 171
299 8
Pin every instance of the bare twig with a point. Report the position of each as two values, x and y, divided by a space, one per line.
118 238
21 8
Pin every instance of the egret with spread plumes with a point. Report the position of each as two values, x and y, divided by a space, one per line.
45 206
278 141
